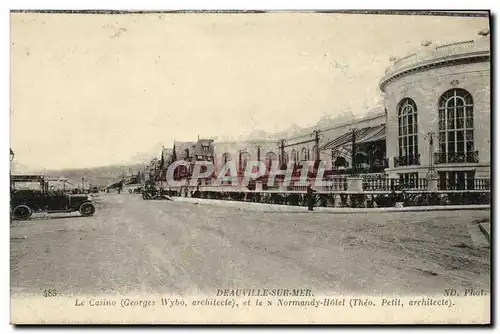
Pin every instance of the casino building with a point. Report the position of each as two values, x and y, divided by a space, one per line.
435 123
437 105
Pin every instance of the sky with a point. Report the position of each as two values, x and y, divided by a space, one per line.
96 90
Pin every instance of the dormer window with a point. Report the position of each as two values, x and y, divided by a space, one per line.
205 148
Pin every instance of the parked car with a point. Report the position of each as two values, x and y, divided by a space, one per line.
30 193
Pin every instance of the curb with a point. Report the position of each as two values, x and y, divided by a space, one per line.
265 207
485 232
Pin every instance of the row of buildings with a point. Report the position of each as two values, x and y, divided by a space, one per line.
435 123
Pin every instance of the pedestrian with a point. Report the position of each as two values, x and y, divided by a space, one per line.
310 197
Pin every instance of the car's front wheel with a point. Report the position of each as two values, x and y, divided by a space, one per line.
87 209
22 212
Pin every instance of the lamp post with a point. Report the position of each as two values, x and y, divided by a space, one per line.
431 173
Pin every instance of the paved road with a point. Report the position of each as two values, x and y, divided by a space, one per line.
132 245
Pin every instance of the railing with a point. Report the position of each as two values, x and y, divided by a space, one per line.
432 52
407 160
361 170
335 185
384 184
456 157
396 184
410 59
454 47
469 184
482 184
298 186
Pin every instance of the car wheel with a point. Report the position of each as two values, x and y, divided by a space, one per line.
87 209
22 212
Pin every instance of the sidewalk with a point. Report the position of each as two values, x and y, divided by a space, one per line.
288 208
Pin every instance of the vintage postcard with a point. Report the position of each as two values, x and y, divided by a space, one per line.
250 167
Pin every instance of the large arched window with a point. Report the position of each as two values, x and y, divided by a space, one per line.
294 156
408 134
456 127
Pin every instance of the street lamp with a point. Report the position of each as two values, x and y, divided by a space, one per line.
431 173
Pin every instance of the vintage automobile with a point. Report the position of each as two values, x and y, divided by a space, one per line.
30 193
150 191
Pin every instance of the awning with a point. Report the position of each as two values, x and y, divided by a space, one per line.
339 141
364 135
372 134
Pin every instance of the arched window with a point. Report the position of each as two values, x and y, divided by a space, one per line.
270 157
294 155
226 157
244 159
456 127
304 154
408 133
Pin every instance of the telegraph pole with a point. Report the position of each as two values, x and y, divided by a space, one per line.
239 161
353 153
258 152
316 134
281 145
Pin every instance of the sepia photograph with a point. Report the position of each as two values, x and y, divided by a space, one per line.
250 167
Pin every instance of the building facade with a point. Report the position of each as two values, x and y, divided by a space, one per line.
438 113
241 152
435 123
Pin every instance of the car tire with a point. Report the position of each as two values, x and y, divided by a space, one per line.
87 209
22 212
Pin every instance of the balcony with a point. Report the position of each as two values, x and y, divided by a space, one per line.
456 157
407 160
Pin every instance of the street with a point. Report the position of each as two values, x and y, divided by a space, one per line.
135 246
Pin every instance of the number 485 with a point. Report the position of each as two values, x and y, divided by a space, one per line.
49 293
